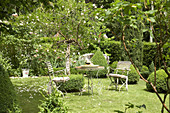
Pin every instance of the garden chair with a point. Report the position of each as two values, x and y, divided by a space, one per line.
55 79
121 72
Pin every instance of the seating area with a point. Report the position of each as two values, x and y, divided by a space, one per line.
121 72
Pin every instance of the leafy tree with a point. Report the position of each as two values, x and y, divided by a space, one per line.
124 15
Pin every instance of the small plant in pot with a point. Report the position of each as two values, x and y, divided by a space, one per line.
24 67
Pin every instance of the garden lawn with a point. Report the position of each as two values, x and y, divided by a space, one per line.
104 99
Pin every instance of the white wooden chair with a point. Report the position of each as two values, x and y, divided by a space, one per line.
121 72
55 79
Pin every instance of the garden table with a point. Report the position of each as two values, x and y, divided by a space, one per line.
90 68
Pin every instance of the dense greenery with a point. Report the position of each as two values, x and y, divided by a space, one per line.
133 76
76 83
7 92
161 77
99 59
53 103
145 71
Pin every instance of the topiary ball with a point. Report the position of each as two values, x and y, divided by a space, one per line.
133 76
161 85
99 59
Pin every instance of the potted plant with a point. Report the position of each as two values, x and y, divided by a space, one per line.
25 67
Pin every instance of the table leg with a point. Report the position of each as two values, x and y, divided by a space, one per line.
88 85
91 84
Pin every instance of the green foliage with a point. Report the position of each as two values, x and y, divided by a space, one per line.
133 77
161 85
114 65
7 92
53 104
113 48
76 83
151 67
99 59
145 71
148 53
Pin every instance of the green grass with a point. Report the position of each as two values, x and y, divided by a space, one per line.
104 100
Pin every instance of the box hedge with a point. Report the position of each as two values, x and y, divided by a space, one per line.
7 92
99 59
76 83
161 85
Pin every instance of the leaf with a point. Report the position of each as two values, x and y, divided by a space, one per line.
134 26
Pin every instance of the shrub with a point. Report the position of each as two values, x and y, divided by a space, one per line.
145 71
76 83
53 104
148 53
7 92
99 59
75 71
161 85
133 76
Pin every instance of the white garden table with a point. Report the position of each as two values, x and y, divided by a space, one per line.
90 68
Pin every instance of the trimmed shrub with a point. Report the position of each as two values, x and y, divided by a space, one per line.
133 76
76 83
7 92
145 71
75 71
161 85
99 59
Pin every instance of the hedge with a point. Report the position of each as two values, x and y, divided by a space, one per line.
7 92
76 83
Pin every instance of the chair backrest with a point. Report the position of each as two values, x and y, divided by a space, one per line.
123 65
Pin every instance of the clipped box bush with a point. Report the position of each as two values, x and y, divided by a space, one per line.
161 85
145 71
99 59
7 92
133 76
76 83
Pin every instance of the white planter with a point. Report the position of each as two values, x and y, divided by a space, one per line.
25 72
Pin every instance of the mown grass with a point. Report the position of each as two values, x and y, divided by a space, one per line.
104 99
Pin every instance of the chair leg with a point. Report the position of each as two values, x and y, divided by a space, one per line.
127 83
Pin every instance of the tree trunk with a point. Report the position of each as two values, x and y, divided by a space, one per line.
68 59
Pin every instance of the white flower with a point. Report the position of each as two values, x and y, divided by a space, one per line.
1 21
82 13
102 6
97 13
54 50
62 6
96 17
30 33
15 14
40 30
39 45
73 53
36 50
102 19
78 53
21 24
47 50
94 5
87 44
36 16
84 22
